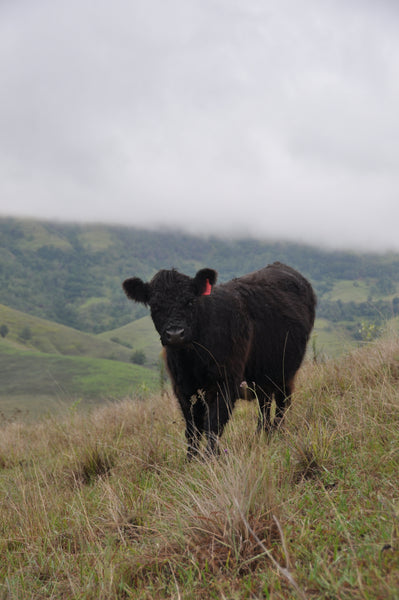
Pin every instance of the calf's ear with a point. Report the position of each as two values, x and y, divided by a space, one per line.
136 290
203 279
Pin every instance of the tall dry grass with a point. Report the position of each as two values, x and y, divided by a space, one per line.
104 505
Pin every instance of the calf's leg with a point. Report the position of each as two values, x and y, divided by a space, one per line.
283 401
220 406
193 410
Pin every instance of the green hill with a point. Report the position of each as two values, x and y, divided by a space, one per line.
72 274
45 367
29 332
140 335
34 383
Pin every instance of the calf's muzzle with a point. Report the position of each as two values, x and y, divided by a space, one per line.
175 336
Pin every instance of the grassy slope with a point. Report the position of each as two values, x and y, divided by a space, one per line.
54 338
86 264
37 234
355 291
330 339
107 250
34 383
58 365
141 335
105 507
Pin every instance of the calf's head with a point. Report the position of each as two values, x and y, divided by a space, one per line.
173 299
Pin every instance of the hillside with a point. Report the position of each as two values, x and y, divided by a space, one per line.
140 335
29 332
72 274
61 295
46 367
34 383
104 507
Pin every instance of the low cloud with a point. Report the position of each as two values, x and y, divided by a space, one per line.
275 120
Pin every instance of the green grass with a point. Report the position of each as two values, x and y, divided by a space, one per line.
37 234
104 506
350 291
141 335
30 379
330 339
355 291
96 240
49 337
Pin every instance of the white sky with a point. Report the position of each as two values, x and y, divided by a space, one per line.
273 118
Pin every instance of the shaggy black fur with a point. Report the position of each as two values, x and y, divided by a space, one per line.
254 329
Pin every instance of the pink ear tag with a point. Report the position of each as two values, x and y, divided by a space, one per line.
208 288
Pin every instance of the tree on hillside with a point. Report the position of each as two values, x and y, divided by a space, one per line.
25 334
138 357
385 286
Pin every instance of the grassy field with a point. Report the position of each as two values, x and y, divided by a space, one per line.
356 291
26 331
34 383
104 506
38 234
329 339
140 335
47 367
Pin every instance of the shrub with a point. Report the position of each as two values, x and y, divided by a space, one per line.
138 357
25 334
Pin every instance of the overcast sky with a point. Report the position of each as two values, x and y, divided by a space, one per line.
275 118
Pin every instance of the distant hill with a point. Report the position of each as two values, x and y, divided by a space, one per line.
28 332
46 367
34 383
72 274
140 335
69 335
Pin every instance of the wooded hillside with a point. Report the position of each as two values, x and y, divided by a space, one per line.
72 273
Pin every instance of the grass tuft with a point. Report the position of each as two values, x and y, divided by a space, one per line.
96 462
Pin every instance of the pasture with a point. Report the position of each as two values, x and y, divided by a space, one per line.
34 384
139 335
33 333
104 505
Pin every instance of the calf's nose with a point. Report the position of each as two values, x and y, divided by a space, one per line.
175 335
